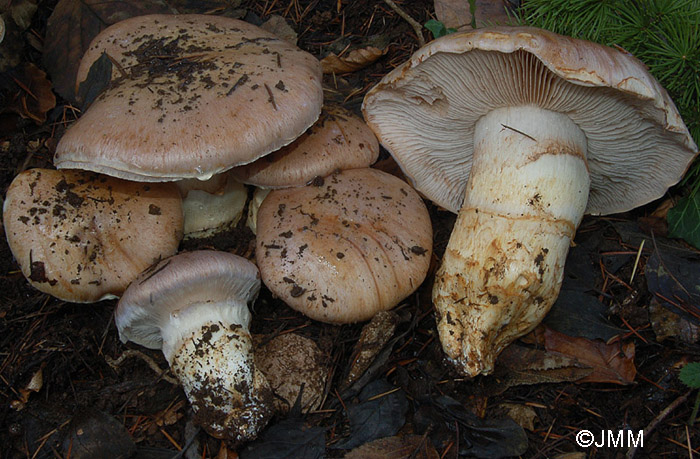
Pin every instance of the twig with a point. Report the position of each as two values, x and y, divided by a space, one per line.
661 416
417 28
115 363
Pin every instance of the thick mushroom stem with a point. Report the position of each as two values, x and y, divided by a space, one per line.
503 265
210 350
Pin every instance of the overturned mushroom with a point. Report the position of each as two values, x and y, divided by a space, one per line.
83 237
348 246
190 96
521 131
194 306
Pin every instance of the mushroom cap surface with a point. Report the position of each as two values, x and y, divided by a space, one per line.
82 237
191 96
339 140
343 250
290 361
424 111
179 286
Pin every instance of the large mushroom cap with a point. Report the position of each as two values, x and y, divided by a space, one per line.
425 111
341 252
82 236
191 96
339 140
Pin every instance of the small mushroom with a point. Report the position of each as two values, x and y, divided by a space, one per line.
190 96
293 364
194 306
83 237
343 250
521 131
339 140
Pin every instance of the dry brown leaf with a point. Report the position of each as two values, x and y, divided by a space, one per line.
74 23
519 365
455 13
611 363
524 415
277 25
375 334
353 61
170 415
416 446
33 96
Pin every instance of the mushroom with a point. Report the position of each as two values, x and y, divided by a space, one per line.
346 247
191 96
211 206
521 131
83 237
194 306
293 365
339 140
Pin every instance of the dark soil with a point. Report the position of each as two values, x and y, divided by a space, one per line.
71 344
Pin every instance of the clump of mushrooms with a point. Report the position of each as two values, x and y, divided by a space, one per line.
194 306
521 131
190 97
83 237
338 140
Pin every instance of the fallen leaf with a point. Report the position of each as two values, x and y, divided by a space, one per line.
684 219
290 437
32 97
398 447
579 314
93 433
667 324
355 60
524 415
72 26
611 363
170 415
444 417
519 366
373 338
277 25
672 276
381 412
22 12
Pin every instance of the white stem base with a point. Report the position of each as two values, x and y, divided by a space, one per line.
214 363
504 263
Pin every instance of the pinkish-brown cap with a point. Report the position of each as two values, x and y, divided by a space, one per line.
342 250
83 237
425 111
339 140
191 96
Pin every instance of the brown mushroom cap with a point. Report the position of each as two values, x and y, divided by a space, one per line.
425 111
343 250
339 140
191 96
290 361
82 236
